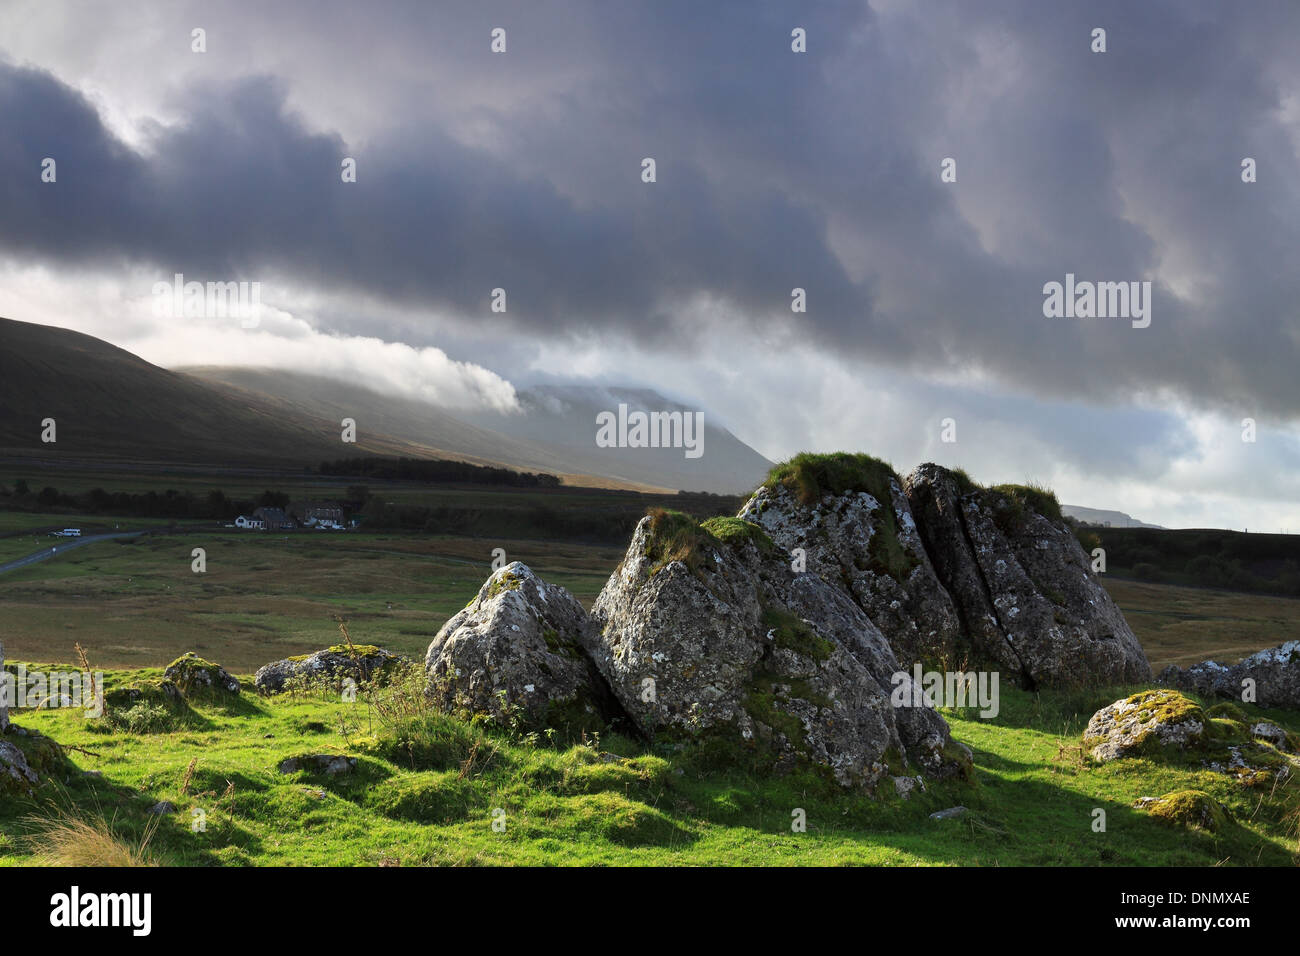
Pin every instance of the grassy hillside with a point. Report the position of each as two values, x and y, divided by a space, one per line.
107 401
426 790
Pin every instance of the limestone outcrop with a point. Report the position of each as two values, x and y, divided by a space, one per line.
1272 674
516 653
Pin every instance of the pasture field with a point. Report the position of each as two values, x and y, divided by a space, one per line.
426 786
1180 625
264 596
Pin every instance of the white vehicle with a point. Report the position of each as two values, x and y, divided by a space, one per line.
67 533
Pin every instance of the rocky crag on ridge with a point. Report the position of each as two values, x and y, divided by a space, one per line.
790 630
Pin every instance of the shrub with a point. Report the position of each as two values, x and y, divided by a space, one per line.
144 717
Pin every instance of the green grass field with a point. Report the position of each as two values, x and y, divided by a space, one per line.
265 596
427 790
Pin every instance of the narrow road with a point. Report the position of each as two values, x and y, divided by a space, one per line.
65 545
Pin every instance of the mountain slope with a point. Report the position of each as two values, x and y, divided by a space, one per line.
107 402
564 418
555 431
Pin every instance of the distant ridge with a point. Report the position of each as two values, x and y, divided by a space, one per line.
1099 516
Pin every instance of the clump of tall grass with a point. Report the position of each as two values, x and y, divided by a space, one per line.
68 840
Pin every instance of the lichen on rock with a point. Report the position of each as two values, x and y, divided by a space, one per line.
330 666
1145 724
744 652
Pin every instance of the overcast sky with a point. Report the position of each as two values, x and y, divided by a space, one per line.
775 170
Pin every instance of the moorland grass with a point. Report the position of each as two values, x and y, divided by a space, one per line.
428 787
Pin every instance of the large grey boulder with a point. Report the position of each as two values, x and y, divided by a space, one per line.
869 545
705 633
516 653
1148 724
1023 584
1274 671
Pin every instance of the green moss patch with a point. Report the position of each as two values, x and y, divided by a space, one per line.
503 582
793 633
1227 712
737 531
1189 808
360 650
964 482
676 536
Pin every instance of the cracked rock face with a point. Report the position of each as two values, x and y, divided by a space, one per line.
1275 673
516 653
1024 587
733 645
873 549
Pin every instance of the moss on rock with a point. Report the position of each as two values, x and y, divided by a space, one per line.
791 632
1189 808
1227 712
191 673
507 581
1018 500
737 531
1149 723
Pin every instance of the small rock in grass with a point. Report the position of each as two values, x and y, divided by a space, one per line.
332 765
951 813
189 672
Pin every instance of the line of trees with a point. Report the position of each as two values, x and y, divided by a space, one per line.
1230 560
151 504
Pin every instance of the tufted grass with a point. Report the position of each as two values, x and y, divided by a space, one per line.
426 788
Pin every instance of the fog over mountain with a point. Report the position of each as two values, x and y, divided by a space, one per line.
553 430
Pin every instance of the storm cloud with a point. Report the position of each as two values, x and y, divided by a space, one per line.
775 170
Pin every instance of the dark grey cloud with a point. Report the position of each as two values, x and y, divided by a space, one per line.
775 171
